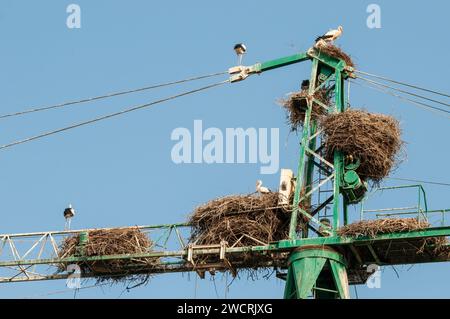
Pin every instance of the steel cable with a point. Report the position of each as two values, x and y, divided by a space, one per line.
402 83
109 95
104 117
402 91
417 103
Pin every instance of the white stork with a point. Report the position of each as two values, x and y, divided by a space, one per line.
69 212
330 36
240 50
261 189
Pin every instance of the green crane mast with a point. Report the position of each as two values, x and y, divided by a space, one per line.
318 261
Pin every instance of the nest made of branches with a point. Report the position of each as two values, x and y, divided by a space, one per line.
241 220
336 52
375 139
111 242
372 228
296 105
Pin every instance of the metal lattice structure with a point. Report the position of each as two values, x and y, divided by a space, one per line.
317 260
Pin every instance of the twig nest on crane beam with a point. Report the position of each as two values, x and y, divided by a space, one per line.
374 139
117 241
297 103
335 52
435 246
240 221
372 228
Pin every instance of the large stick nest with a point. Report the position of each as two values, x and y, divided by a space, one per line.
111 242
337 53
375 139
240 220
296 105
372 228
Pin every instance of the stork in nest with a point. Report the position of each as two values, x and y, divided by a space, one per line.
329 37
261 189
305 85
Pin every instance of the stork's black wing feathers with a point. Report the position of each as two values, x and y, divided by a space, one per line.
305 84
68 212
323 37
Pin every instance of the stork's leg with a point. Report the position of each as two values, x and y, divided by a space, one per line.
67 224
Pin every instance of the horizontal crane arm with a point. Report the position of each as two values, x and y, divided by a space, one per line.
280 62
15 267
239 73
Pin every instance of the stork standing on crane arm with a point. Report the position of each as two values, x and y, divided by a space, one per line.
68 213
240 50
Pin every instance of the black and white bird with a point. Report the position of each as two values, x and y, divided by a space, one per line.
261 189
330 36
305 85
240 50
69 212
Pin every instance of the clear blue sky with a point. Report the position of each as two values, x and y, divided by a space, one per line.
117 172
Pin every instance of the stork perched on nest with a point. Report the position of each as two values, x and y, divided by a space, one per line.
329 37
69 212
304 85
261 189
